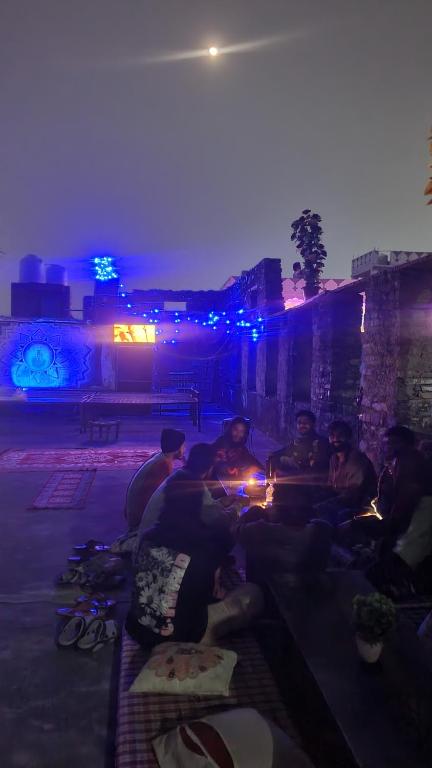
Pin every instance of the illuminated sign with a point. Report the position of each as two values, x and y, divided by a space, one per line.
134 334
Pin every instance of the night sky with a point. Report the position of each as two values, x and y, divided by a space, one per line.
190 169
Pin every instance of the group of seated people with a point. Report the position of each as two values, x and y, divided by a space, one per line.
187 521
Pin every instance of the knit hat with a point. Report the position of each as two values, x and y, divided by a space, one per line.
172 440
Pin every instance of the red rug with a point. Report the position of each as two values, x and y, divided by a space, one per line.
75 458
65 490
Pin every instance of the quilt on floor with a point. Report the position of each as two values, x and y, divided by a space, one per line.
143 716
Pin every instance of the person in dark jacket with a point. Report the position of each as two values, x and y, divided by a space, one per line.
176 560
403 530
403 484
233 461
306 455
352 479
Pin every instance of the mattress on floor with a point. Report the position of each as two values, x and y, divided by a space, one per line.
143 716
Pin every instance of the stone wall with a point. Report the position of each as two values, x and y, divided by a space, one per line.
372 379
336 358
380 360
310 358
414 384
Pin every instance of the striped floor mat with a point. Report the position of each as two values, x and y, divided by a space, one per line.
65 490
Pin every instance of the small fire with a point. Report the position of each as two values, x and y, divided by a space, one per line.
252 481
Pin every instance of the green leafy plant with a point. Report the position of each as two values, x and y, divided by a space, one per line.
374 615
307 233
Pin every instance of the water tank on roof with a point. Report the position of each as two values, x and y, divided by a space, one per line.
56 274
31 269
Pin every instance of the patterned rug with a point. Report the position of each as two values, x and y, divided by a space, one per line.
75 458
65 490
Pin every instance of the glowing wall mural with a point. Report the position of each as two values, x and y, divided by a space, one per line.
45 354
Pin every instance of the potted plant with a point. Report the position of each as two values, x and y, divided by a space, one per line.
307 233
374 616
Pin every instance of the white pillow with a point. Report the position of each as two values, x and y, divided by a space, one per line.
186 668
249 739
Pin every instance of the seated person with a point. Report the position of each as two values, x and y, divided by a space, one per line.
232 459
405 504
352 478
307 454
284 538
177 559
179 484
152 473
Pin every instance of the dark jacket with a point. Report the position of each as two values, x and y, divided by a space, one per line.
174 568
401 486
233 460
354 478
309 455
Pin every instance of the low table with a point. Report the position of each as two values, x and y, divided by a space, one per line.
373 716
103 427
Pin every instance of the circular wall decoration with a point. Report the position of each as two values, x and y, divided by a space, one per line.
38 357
42 354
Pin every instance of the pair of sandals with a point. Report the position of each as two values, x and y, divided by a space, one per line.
84 552
86 625
91 581
97 605
93 568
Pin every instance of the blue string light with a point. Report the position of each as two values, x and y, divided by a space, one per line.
212 320
104 269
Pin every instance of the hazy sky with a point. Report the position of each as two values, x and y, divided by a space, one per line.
190 170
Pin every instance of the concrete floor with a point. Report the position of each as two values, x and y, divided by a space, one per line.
57 708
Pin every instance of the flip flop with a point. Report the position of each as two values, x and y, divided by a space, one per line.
72 576
98 598
86 606
69 632
92 546
104 581
97 634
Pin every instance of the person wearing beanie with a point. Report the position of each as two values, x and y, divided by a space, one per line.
152 474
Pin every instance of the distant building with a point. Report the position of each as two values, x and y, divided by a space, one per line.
374 261
293 289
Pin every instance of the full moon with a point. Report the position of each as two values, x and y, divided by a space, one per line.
213 51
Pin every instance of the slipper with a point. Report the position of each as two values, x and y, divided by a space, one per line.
125 545
92 546
98 633
104 581
69 632
86 606
98 598
72 576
